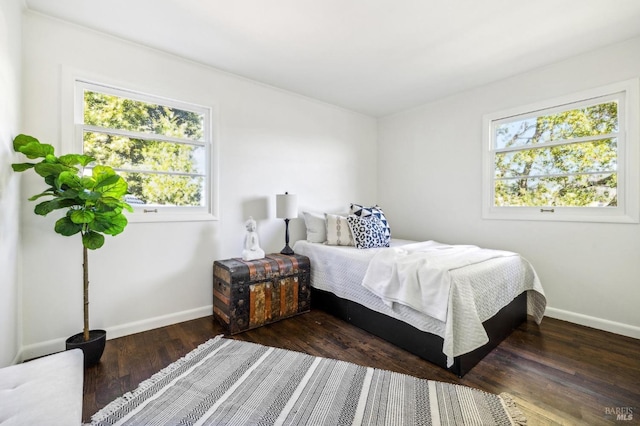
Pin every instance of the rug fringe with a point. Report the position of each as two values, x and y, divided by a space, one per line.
144 385
517 416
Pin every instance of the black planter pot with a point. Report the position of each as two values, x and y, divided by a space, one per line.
92 348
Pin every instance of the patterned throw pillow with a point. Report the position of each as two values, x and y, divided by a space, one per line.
362 211
368 231
338 231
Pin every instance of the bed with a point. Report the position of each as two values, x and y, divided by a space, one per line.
487 301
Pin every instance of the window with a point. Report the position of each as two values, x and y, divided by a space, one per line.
569 159
162 148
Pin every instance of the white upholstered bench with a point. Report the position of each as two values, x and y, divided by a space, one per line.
45 391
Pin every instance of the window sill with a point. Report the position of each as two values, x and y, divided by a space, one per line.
170 217
559 215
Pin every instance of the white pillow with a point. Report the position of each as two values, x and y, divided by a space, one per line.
316 227
338 231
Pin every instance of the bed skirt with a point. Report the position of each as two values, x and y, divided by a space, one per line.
423 344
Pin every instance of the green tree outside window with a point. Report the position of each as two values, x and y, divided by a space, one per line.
566 159
157 148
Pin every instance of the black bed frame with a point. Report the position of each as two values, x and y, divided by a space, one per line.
425 345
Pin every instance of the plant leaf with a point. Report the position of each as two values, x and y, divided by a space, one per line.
100 172
72 180
36 150
51 181
42 194
31 147
118 189
109 182
73 159
21 167
82 216
109 204
106 180
92 240
89 196
70 194
88 182
66 227
47 207
100 223
111 223
52 169
23 140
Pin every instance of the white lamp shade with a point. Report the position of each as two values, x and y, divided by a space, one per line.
286 206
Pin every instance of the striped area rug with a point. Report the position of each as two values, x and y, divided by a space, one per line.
229 382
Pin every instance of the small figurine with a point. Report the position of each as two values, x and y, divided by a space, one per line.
252 248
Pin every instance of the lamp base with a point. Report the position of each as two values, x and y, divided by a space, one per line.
287 250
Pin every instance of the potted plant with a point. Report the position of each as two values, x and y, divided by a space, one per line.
94 205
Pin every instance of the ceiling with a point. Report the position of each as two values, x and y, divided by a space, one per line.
376 57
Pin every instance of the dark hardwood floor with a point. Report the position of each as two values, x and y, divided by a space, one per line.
558 372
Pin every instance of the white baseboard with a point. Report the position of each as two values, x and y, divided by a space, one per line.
43 348
593 322
17 359
157 322
57 345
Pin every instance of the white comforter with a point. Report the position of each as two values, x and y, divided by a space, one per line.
419 275
477 291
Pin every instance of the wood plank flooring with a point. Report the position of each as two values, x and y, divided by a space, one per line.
558 372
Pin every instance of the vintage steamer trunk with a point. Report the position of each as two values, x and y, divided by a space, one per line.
249 294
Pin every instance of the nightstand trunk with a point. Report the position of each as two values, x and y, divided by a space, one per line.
250 294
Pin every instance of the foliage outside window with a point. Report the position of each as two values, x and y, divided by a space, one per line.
566 161
161 148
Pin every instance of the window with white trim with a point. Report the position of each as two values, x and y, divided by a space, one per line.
162 148
574 158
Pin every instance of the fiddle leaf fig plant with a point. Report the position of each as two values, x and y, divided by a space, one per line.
94 203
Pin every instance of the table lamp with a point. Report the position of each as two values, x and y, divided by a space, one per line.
286 208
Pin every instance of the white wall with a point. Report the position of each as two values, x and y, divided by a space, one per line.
430 183
269 141
10 62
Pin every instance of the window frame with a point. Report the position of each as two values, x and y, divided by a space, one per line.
628 197
143 213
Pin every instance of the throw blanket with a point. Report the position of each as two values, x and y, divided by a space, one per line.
418 275
228 382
